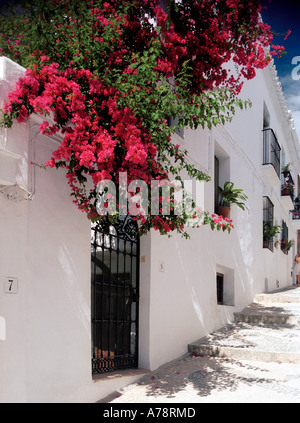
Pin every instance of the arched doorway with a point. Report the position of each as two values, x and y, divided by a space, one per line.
115 294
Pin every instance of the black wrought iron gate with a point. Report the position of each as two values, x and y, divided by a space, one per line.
115 294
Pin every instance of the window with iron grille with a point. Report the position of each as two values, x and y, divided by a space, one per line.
220 288
115 295
173 122
272 150
217 183
284 235
268 221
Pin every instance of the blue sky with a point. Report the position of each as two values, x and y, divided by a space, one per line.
284 15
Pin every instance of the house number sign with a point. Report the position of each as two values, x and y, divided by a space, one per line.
10 285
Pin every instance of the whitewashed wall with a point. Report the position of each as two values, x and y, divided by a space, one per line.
183 299
45 334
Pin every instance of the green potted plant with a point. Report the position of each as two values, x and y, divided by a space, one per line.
288 189
269 231
286 170
228 196
285 245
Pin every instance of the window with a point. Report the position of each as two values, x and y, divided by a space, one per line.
284 235
224 285
172 122
266 117
217 184
220 288
268 222
221 172
283 157
271 147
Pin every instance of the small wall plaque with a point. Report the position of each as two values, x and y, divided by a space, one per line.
10 285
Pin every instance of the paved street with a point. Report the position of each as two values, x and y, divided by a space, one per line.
256 359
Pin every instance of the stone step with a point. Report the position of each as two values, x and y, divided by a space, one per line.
274 319
286 295
275 313
242 341
265 298
242 354
267 330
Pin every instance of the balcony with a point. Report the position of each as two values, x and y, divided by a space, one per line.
287 191
271 153
295 212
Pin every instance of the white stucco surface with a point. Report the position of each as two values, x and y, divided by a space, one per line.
45 328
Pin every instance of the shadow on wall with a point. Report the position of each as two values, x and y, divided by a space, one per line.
74 292
189 284
245 255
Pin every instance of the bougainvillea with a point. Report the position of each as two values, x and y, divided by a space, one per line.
108 74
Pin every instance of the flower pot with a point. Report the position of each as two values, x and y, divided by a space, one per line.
285 191
286 174
224 211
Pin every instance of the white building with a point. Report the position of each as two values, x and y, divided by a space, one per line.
149 300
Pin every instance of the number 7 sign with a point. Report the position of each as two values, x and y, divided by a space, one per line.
10 285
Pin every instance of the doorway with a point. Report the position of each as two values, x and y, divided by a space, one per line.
115 295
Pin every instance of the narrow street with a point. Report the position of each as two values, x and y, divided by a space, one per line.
255 359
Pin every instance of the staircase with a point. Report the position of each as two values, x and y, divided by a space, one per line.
267 330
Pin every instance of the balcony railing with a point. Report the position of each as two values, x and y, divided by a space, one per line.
271 150
288 186
296 211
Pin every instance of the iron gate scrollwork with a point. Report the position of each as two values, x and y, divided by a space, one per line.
115 294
